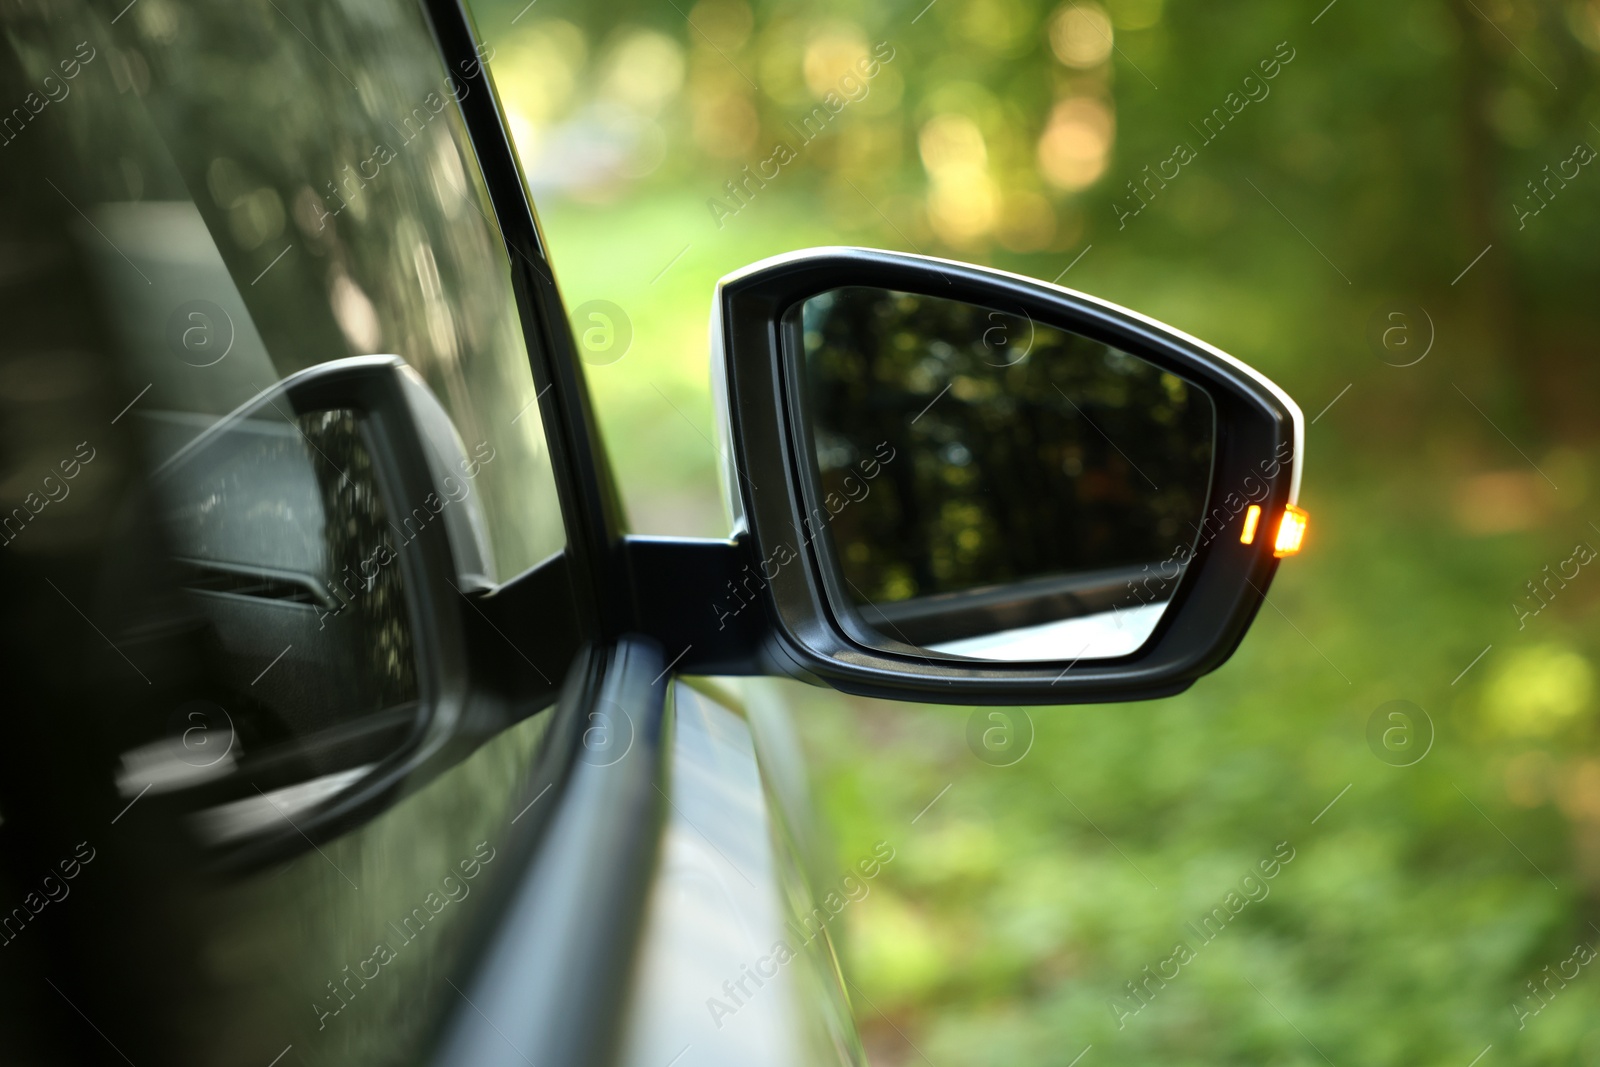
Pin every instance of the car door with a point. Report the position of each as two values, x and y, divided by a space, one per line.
302 609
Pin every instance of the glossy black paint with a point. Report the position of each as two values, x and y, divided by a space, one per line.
547 989
1214 602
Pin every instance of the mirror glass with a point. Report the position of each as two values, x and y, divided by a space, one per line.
991 487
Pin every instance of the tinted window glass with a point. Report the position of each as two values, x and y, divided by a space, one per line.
202 200
265 187
260 189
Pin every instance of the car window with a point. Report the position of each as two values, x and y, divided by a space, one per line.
262 190
222 198
267 187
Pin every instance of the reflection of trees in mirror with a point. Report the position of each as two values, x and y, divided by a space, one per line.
356 532
1068 456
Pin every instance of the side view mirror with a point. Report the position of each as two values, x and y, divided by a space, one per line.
960 483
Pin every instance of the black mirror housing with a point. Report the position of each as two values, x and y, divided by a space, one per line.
1216 582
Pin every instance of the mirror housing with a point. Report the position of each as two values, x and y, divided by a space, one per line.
769 475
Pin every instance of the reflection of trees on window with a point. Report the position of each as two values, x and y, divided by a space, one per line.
1020 450
323 147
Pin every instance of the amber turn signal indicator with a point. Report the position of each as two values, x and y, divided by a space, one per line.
1291 531
1252 519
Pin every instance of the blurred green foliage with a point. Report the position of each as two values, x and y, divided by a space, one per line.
1367 161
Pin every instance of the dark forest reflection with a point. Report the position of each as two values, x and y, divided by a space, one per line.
977 456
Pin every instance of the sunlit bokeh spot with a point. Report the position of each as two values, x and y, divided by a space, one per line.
643 71
832 55
160 22
256 217
902 950
448 176
1536 691
1081 35
255 213
540 67
226 181
1584 18
1076 143
524 134
951 143
353 310
435 308
962 203
961 209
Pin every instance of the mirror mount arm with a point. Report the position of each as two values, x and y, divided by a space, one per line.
703 599
528 623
